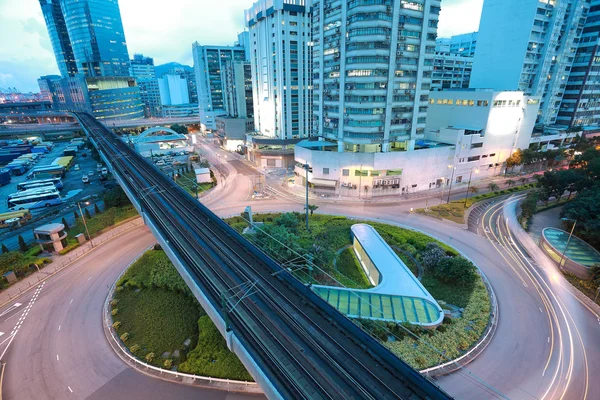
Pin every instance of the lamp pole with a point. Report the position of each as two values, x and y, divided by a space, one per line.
85 224
562 256
469 184
451 179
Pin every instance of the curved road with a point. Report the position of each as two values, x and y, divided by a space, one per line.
546 344
60 351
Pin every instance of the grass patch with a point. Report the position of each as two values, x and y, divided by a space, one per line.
99 222
187 181
158 312
211 356
349 266
456 209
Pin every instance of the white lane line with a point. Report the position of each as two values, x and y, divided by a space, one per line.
71 301
8 338
59 327
11 308
89 278
548 339
541 310
70 390
57 359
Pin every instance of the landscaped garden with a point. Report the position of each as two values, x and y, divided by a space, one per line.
160 322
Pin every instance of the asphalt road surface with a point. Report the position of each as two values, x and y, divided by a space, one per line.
59 350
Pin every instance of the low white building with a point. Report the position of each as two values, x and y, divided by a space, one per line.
466 130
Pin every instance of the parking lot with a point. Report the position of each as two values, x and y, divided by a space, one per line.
73 186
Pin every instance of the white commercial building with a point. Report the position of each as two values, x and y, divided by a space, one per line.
372 71
281 57
142 69
209 62
529 45
173 90
466 131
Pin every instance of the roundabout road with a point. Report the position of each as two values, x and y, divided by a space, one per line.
546 344
60 351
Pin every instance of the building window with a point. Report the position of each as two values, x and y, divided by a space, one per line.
270 162
345 172
474 158
325 171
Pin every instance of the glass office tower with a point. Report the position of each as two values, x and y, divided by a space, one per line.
59 37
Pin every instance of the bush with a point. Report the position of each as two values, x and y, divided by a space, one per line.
168 364
116 197
116 325
432 256
114 302
135 348
457 270
119 288
150 357
65 223
124 337
88 216
4 249
114 312
96 209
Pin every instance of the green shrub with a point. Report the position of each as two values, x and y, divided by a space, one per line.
135 348
168 364
114 312
150 357
116 325
119 288
124 337
114 302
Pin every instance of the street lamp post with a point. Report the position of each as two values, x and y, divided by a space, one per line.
562 256
469 184
85 224
453 166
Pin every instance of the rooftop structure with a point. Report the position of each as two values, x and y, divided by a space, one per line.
398 295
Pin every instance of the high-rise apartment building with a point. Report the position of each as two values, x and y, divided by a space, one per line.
209 62
372 68
281 60
529 45
90 49
451 71
462 45
237 79
581 100
173 90
142 69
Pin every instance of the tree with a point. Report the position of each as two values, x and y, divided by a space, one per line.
493 187
522 180
287 220
473 189
87 214
179 129
96 209
279 243
22 245
510 182
585 209
76 216
312 208
64 222
515 159
432 256
116 197
4 249
529 156
457 270
529 205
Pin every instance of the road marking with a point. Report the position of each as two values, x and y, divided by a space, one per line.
59 327
71 301
548 339
11 308
541 309
89 278
57 359
70 390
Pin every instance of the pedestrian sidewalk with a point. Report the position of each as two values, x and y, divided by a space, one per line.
60 262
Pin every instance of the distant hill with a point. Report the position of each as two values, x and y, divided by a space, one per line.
164 68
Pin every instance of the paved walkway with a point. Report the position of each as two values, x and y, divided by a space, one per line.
545 219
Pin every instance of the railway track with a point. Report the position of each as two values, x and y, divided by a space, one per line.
306 348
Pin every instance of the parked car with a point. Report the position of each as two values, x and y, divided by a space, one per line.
76 167
104 171
85 179
99 167
91 173
160 163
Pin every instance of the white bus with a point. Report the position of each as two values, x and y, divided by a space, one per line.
34 201
57 182
40 190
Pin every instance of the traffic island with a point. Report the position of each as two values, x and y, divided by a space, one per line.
459 287
155 325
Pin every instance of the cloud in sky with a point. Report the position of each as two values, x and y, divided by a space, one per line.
162 30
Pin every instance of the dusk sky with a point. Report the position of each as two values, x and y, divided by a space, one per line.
164 30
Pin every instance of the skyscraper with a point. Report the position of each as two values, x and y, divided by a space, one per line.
142 69
529 45
209 61
91 53
372 71
59 37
